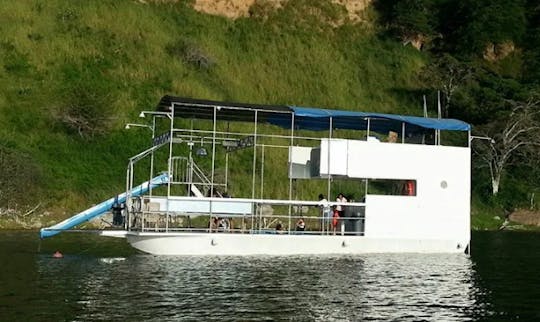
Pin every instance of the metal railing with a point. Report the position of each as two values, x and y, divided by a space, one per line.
266 218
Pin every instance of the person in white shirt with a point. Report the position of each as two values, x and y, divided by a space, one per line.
326 213
341 213
339 208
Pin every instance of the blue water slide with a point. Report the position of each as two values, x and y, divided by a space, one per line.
103 207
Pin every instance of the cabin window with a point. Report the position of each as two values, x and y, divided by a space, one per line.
392 187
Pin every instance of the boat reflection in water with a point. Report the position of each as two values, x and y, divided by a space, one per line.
434 287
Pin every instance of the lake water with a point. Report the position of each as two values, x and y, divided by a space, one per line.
104 279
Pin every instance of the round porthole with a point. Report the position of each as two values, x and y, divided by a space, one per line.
444 184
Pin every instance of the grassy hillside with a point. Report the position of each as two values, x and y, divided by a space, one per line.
74 72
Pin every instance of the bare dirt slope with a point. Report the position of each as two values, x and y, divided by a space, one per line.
240 8
526 217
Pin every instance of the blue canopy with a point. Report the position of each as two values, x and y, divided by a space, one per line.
305 118
319 119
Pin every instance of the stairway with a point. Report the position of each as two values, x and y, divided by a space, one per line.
186 171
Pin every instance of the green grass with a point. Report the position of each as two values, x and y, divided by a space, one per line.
485 217
117 56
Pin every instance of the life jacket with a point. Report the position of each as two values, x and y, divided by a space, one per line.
335 218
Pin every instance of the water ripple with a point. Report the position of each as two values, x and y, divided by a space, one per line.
376 287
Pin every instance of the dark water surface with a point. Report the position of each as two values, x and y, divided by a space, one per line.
104 279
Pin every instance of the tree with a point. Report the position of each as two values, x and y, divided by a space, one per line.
532 45
412 21
488 24
446 74
513 136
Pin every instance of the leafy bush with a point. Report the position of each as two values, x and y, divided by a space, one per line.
85 101
191 54
84 111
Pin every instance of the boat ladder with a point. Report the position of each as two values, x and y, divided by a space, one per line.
186 171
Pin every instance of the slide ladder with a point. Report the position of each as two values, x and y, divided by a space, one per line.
103 207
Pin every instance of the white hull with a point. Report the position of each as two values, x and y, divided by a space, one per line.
272 244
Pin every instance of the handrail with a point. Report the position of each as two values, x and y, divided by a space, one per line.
269 201
314 225
198 172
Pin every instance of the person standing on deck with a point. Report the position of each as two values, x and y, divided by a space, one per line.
341 212
326 213
340 209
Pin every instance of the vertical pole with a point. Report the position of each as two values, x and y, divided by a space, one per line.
227 163
425 115
128 198
213 153
438 136
190 161
227 171
262 172
254 157
328 159
403 132
152 153
131 178
365 193
253 167
290 170
368 128
169 165
213 160
262 183
329 177
425 106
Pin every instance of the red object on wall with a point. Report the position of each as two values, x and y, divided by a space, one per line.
410 189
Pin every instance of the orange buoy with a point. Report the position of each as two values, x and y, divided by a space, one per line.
57 254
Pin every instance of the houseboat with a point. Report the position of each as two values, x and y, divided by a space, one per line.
222 178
